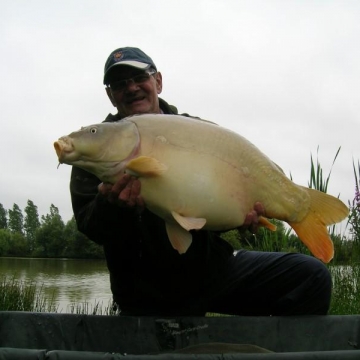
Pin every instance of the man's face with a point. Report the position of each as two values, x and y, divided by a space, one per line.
134 98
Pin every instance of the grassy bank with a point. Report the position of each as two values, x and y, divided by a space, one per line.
18 296
346 289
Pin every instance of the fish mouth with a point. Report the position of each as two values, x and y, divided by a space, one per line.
62 147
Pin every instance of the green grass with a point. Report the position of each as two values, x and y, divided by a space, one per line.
346 289
17 295
86 308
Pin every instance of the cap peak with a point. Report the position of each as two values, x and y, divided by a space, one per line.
129 56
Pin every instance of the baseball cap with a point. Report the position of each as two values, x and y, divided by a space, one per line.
129 56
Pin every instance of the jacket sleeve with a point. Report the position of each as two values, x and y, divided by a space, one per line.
95 216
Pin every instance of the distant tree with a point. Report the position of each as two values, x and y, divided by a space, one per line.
70 234
49 239
15 223
18 245
5 241
3 217
31 223
78 245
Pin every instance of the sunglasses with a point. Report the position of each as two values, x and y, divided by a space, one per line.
121 85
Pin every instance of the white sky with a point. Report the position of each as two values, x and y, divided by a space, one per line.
284 74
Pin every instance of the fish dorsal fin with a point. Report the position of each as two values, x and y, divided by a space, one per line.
145 166
180 238
189 223
266 223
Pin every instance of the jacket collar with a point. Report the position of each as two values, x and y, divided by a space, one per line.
164 106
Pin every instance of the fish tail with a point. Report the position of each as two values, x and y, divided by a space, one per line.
324 210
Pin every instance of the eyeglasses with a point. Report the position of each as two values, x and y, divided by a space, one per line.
121 85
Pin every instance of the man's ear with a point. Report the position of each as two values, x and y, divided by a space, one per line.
110 96
158 79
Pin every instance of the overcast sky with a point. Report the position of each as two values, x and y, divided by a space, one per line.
284 74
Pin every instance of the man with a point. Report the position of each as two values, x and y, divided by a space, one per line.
149 277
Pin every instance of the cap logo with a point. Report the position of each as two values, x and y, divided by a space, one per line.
118 55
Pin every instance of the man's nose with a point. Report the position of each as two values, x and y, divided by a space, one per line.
131 85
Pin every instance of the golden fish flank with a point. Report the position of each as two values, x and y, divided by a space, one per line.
197 175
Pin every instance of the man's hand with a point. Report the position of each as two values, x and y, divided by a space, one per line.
125 192
251 222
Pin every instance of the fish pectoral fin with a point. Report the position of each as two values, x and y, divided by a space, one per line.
180 238
189 223
145 166
266 223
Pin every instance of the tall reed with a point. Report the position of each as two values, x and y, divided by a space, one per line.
16 295
346 289
92 309
354 205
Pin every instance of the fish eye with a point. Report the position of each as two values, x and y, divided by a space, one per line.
93 130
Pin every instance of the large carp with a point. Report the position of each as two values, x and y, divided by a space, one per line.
197 175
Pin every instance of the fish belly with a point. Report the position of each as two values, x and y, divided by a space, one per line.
212 173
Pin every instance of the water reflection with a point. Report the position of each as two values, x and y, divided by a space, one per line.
67 280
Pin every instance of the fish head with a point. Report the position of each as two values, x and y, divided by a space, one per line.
101 149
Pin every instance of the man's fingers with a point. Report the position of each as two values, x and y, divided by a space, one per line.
259 209
251 222
136 187
104 188
131 192
120 185
248 219
126 191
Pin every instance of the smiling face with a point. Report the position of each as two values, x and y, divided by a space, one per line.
135 98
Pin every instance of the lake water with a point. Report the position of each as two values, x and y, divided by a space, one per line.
68 281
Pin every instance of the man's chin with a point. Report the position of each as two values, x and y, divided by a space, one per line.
139 109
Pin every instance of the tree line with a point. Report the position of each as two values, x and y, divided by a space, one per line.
24 233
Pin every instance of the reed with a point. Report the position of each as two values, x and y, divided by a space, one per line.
97 308
346 289
16 295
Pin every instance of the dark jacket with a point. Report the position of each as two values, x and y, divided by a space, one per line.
147 275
